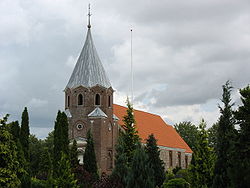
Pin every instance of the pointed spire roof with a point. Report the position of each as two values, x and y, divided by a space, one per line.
88 70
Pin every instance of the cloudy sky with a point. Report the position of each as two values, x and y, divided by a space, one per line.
183 52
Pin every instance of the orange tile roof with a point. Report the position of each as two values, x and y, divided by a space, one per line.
148 123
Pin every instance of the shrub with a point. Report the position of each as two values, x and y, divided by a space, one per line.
176 183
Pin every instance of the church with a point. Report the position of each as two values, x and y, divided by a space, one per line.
89 105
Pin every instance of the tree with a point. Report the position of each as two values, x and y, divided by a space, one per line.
24 134
241 150
36 151
225 133
9 165
212 136
201 168
140 174
120 170
15 131
89 158
61 141
130 137
154 160
24 140
74 161
65 176
188 132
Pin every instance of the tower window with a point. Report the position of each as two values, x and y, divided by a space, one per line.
80 99
97 99
68 101
109 101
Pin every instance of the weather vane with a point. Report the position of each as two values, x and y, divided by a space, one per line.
89 26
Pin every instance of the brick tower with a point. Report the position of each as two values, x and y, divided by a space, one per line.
89 106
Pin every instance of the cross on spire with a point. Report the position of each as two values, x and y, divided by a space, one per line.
89 26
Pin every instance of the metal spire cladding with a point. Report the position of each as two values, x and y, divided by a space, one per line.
88 71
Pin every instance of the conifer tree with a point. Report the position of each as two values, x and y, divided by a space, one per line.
131 137
61 140
15 131
140 174
201 168
65 176
155 163
24 134
120 170
225 133
9 165
74 157
89 158
240 172
24 140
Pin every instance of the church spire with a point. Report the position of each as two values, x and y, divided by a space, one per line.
89 26
88 71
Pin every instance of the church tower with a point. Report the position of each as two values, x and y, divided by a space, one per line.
89 106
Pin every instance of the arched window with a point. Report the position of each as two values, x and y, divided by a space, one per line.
109 101
80 99
68 101
97 99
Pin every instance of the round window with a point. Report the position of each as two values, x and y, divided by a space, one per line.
79 126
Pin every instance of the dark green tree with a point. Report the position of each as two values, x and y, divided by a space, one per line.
240 172
201 168
15 131
212 136
74 161
140 174
36 151
225 134
188 132
65 176
155 163
130 137
25 133
120 170
89 158
61 141
9 165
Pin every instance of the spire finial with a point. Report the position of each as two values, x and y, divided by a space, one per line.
89 26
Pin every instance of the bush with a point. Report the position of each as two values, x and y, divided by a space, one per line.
36 183
176 183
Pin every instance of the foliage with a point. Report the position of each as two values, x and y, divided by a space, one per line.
121 163
84 178
37 183
177 183
140 174
108 182
89 158
212 135
36 150
225 134
241 151
201 168
188 132
65 176
130 137
155 163
74 161
24 134
61 142
9 165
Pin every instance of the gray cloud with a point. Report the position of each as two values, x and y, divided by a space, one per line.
183 53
